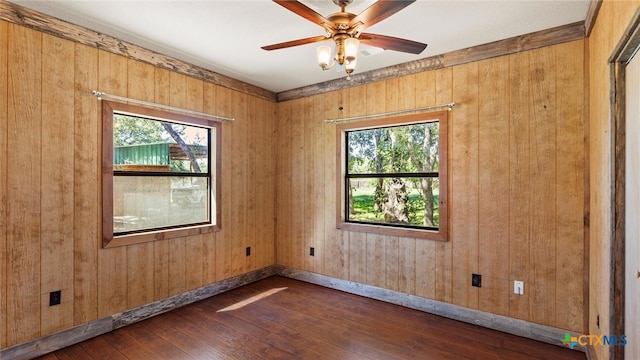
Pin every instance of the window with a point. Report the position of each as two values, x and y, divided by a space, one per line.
393 176
160 174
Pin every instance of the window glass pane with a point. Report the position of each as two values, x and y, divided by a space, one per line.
141 144
406 201
150 202
397 149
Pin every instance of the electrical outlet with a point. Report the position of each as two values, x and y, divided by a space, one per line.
476 280
518 287
55 297
248 251
312 251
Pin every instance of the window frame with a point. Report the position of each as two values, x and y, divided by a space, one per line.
441 233
109 108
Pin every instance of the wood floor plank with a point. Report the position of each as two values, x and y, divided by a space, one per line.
281 318
99 349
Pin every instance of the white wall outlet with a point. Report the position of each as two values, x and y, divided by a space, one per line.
518 287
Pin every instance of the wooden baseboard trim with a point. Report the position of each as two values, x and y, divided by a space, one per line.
64 338
547 334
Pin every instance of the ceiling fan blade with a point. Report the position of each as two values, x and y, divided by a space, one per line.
380 11
295 43
304 11
392 43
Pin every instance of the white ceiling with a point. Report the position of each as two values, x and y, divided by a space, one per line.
225 36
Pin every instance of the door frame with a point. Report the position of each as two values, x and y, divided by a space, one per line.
627 47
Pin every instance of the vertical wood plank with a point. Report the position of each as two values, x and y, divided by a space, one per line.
319 184
493 200
542 196
308 229
425 251
262 181
391 262
270 198
4 35
223 238
23 184
209 240
177 266
283 195
56 224
336 261
140 257
253 179
297 183
161 249
464 184
376 260
238 193
570 185
86 197
444 254
194 244
177 247
112 262
519 182
357 256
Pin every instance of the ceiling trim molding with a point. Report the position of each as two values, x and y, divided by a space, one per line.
553 36
592 14
47 24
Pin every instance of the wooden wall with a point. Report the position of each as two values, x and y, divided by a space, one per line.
50 187
612 20
517 187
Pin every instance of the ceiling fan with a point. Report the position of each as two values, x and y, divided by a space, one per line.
346 28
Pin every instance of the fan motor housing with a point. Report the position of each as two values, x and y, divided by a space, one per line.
342 3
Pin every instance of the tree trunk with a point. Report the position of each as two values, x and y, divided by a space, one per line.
187 150
395 207
427 190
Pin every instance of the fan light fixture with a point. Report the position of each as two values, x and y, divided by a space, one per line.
346 30
346 54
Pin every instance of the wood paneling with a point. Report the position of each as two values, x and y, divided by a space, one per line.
57 198
50 179
547 37
444 253
570 187
65 30
493 195
86 197
612 19
3 188
23 181
464 185
519 194
516 157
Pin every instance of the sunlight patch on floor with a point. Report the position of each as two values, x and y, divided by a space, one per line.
252 299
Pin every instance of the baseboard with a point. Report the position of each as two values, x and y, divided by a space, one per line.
505 324
64 338
59 340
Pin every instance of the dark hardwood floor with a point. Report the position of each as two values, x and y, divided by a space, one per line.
280 318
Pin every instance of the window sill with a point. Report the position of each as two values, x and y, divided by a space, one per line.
439 235
123 240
